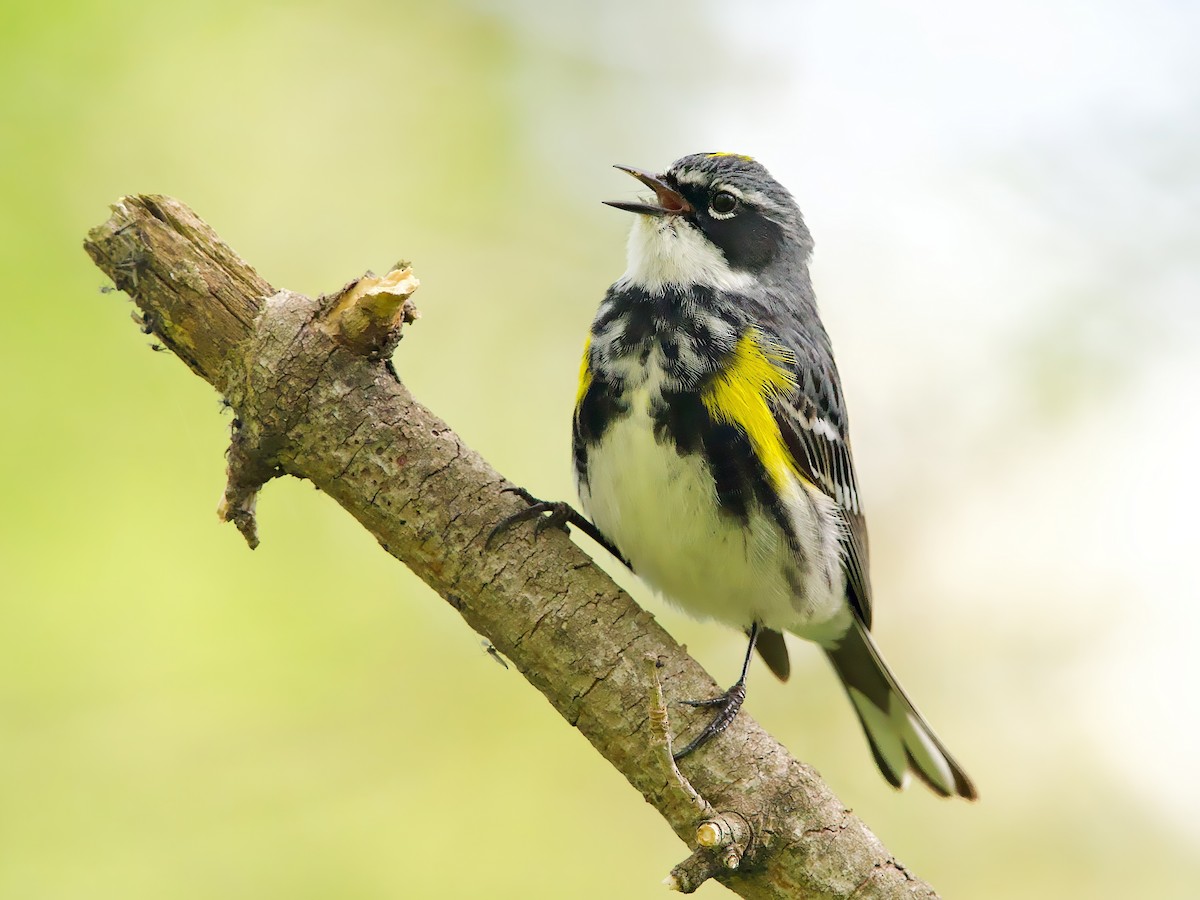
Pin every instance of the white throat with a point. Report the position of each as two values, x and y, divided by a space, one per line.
667 250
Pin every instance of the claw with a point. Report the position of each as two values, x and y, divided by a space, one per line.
559 514
520 492
728 705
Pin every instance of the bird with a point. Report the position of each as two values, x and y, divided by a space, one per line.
711 445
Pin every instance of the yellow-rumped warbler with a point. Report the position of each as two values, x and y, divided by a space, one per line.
711 448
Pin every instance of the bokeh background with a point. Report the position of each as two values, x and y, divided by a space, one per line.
1005 202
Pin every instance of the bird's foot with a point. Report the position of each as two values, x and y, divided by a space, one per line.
547 514
727 706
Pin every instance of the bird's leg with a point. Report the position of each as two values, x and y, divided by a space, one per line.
727 704
558 514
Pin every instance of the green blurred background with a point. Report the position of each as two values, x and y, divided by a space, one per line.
1006 220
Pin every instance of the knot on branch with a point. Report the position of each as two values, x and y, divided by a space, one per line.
248 468
257 377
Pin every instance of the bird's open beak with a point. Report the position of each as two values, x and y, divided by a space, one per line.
670 201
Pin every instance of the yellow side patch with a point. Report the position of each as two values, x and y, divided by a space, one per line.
585 373
757 372
737 155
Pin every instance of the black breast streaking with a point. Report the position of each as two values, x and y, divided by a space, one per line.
667 347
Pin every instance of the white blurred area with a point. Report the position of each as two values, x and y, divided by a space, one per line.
1006 206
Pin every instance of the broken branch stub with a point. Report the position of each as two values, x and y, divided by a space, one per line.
368 314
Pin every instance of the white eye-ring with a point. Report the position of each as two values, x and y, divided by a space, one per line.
723 206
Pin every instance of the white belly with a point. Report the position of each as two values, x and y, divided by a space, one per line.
661 510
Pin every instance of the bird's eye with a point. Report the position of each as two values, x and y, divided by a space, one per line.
724 203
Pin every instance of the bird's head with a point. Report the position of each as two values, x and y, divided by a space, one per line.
715 218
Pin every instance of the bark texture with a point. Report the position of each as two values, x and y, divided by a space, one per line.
315 399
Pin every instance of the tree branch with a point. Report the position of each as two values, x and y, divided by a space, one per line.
314 397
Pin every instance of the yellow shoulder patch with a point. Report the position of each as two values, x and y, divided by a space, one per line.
585 372
758 371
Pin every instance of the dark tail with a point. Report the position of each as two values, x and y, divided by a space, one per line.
901 740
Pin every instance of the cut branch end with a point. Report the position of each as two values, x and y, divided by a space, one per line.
368 315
